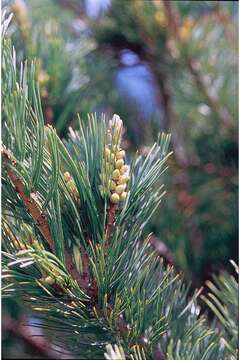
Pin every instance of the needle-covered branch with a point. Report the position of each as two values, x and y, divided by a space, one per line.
74 216
194 67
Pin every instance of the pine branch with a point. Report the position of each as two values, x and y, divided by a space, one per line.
194 67
40 220
124 294
83 280
213 101
31 206
222 300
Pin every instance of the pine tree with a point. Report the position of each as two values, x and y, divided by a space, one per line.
74 212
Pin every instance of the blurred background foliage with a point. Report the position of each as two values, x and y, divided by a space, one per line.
162 66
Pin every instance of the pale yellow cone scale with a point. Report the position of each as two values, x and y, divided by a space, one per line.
115 174
120 154
123 196
115 198
119 163
123 179
123 169
120 188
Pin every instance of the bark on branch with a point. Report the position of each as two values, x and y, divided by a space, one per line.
39 345
41 222
84 280
31 206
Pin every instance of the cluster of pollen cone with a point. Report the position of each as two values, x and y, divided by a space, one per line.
119 175
71 184
115 163
114 173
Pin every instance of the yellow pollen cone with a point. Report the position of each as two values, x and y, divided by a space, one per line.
120 188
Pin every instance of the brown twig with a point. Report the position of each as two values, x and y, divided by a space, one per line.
32 207
72 269
122 327
42 224
162 250
84 280
159 355
213 100
39 345
173 16
111 214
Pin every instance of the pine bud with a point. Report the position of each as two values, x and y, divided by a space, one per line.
73 189
124 169
123 179
116 122
119 163
48 280
67 177
43 77
120 154
115 174
115 198
71 186
123 196
120 188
